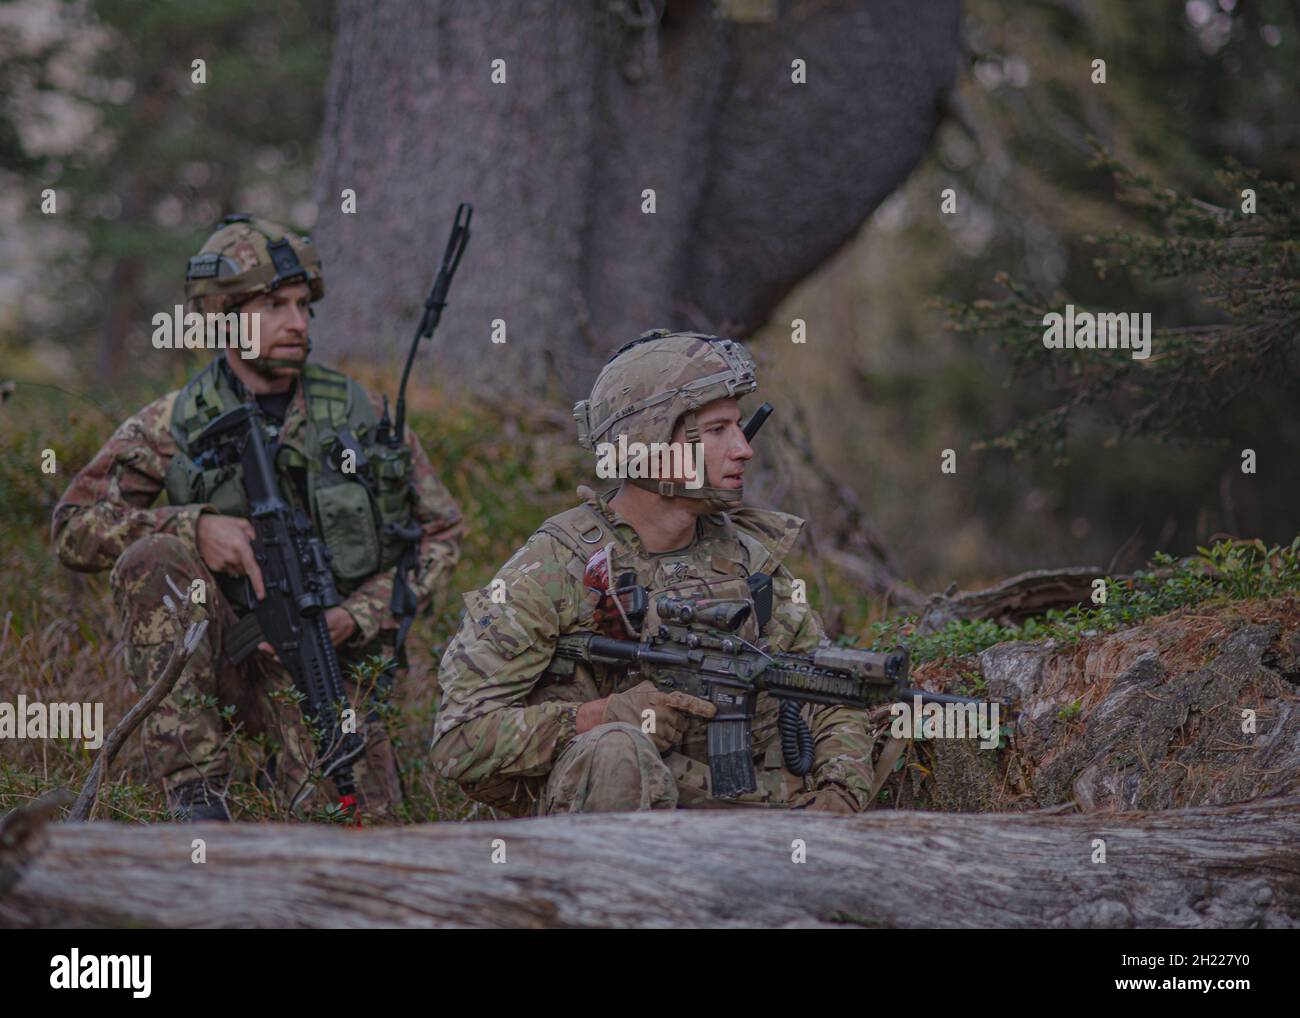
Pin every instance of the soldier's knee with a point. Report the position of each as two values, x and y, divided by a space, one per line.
140 570
618 738
625 772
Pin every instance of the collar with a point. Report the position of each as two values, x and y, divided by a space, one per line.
714 526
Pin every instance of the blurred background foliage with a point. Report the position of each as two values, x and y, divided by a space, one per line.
888 385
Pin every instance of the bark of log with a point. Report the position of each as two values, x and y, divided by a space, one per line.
1013 600
1226 867
757 179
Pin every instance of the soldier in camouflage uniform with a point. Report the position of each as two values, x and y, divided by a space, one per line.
518 733
106 519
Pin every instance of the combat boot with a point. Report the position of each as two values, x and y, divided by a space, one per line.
198 800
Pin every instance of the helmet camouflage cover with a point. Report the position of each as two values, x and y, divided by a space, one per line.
247 257
651 382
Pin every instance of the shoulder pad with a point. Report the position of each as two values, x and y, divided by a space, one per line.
768 534
196 405
334 400
579 529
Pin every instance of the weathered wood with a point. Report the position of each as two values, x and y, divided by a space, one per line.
1015 599
1214 867
23 835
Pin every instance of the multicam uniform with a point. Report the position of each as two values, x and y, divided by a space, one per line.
506 726
106 519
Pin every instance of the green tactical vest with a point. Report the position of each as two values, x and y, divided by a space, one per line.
351 517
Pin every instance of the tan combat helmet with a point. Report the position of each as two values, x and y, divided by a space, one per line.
652 381
247 257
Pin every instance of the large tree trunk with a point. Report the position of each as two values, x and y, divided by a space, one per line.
1205 868
757 179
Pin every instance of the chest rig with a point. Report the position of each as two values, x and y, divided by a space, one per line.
358 491
624 588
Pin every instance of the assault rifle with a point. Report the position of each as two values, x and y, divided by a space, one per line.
697 651
295 566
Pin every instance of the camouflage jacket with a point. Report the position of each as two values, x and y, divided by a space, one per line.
109 505
504 719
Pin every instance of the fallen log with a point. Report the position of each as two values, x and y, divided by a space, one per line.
1013 600
1211 867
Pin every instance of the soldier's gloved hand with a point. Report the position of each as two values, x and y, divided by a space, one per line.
670 712
827 799
226 546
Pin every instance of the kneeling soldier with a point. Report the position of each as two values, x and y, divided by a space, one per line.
106 519
524 730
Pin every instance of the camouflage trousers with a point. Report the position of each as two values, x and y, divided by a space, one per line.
615 768
227 721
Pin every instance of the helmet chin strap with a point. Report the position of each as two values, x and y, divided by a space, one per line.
716 500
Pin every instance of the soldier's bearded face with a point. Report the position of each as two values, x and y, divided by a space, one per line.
284 321
725 448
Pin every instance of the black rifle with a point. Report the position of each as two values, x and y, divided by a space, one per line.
295 566
697 650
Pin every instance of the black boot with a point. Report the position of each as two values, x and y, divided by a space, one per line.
198 800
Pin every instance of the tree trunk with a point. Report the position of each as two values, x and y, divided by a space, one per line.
757 179
1205 868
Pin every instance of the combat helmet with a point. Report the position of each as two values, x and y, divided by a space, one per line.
247 257
649 383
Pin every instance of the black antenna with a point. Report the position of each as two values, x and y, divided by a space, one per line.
756 422
433 305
